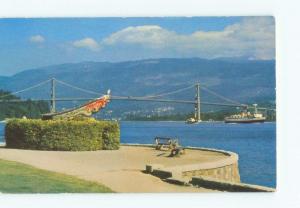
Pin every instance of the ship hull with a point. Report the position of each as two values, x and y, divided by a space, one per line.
192 122
245 120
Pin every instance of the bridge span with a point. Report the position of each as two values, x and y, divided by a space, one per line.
150 98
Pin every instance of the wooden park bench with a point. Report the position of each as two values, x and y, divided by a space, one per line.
165 143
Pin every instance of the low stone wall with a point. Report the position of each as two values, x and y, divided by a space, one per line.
223 169
212 183
222 175
227 173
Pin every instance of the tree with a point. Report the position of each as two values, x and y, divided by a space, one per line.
28 108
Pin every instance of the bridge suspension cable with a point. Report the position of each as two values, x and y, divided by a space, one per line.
220 96
26 89
151 96
117 96
168 93
78 88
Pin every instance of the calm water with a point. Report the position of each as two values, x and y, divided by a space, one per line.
255 143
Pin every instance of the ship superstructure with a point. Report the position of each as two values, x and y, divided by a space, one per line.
246 117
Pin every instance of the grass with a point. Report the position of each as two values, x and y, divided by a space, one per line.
20 178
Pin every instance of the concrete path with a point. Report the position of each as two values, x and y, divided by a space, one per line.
121 170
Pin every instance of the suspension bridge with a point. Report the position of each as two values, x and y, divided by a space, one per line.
196 102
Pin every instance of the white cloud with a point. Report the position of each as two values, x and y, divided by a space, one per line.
87 43
37 39
253 37
152 36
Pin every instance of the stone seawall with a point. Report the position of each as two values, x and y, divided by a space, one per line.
227 173
221 174
216 184
224 169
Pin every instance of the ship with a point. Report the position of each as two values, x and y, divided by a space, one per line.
246 117
191 121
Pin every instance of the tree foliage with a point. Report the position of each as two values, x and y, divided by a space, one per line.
30 109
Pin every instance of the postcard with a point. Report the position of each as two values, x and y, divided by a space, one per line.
137 104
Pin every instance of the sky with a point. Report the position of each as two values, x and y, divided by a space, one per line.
28 43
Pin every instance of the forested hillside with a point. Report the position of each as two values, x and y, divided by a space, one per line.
30 109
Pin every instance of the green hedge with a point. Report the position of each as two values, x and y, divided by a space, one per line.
65 135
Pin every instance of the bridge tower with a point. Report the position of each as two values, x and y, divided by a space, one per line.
197 103
52 109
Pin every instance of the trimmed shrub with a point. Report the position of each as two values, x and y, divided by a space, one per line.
65 135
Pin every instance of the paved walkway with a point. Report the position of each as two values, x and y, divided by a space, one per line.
121 170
